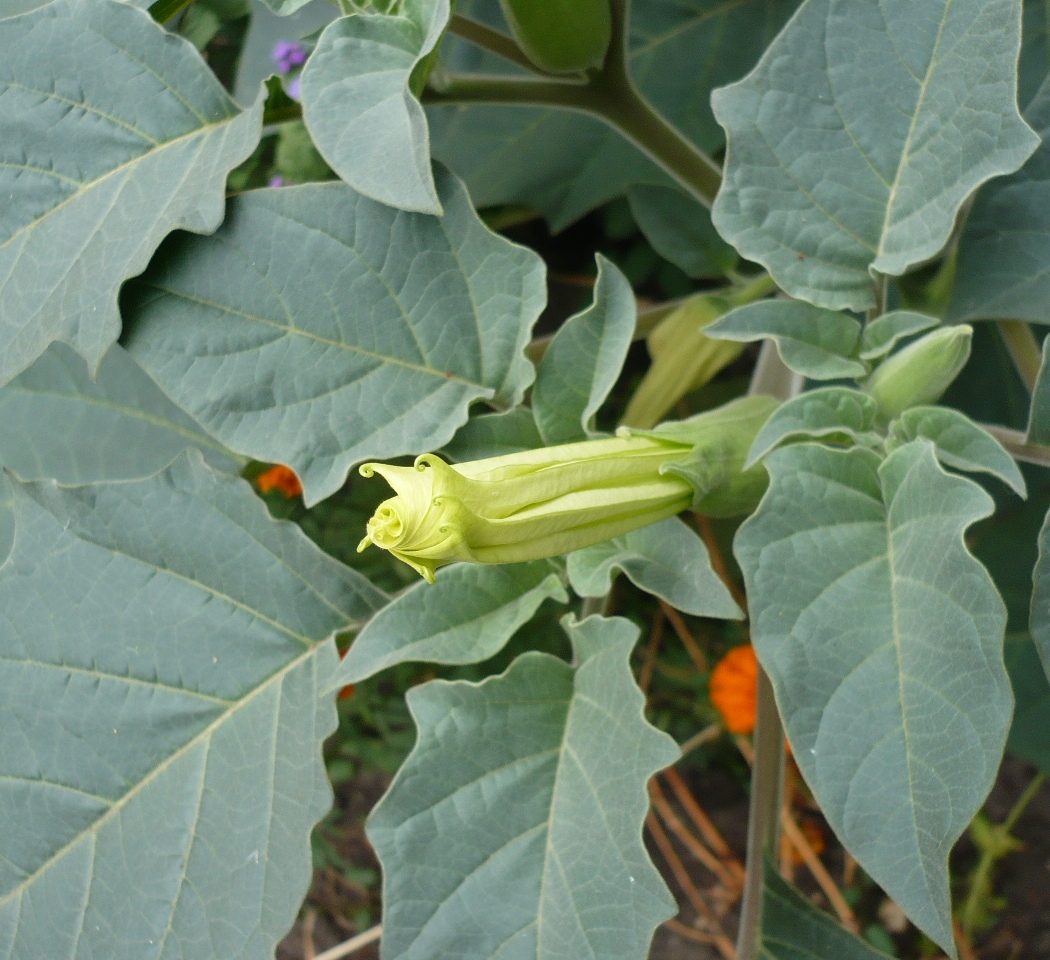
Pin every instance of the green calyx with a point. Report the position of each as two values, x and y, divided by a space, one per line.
919 374
554 500
561 36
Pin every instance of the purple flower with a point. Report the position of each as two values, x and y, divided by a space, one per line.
277 181
288 55
293 88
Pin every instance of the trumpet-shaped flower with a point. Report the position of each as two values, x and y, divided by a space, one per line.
541 503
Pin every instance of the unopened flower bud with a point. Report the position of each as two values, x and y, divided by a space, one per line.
920 373
554 500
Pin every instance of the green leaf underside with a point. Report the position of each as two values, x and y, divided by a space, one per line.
819 344
466 616
529 791
829 412
666 559
565 164
793 929
883 639
1028 739
494 435
160 761
680 230
1039 413
1003 267
424 316
883 333
100 159
1040 613
284 7
959 443
584 360
859 135
358 107
58 423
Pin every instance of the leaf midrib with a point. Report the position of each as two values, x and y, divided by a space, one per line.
161 767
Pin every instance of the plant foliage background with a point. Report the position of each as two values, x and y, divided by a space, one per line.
194 286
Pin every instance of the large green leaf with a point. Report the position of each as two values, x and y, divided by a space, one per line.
359 109
864 128
100 159
1040 615
584 360
162 721
319 328
565 163
793 929
514 829
1039 414
494 435
883 638
1003 268
59 423
680 230
666 559
1034 62
467 615
1028 732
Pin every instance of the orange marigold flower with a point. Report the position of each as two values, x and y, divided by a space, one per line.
734 688
279 478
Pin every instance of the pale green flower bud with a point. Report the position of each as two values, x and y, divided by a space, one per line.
538 503
919 374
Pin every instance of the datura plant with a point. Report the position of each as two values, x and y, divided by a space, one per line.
253 249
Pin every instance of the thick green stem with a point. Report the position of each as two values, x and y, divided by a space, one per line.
1024 350
763 825
773 378
609 94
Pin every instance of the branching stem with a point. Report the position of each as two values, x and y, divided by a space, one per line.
608 94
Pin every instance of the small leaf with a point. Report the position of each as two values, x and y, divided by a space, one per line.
319 328
161 766
92 177
584 360
680 230
883 333
666 559
883 639
819 344
514 829
359 109
842 165
1039 414
958 442
1004 251
494 435
466 616
57 422
1028 739
793 929
831 412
